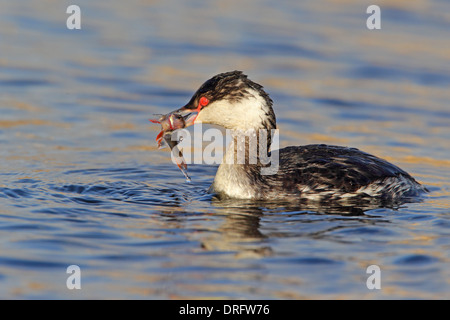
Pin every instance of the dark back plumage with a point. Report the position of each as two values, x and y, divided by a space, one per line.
335 170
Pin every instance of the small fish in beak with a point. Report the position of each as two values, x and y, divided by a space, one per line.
169 123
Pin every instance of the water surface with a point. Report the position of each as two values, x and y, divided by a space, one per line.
82 181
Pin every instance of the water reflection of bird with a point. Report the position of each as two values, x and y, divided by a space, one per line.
311 173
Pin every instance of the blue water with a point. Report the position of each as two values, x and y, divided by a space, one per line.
83 183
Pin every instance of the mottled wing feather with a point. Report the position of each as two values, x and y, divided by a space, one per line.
324 167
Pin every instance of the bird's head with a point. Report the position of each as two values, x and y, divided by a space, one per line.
232 101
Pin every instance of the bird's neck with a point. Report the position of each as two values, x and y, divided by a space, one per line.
247 157
248 147
244 164
252 130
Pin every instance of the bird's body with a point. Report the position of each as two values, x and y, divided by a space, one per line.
312 172
318 173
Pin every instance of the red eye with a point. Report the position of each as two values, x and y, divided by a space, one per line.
204 101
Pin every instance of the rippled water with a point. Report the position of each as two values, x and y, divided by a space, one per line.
82 182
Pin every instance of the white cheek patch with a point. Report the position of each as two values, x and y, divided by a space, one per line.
248 113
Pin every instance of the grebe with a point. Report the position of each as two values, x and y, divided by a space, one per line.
311 172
